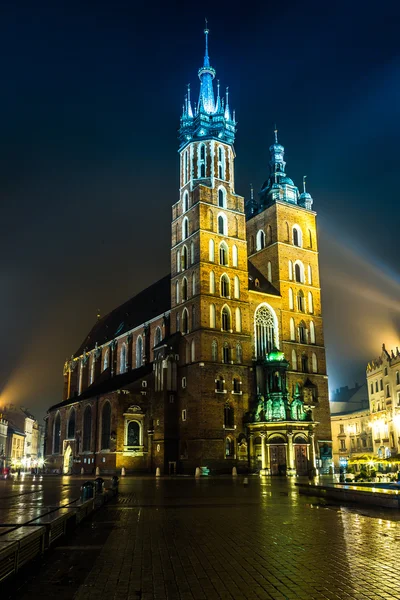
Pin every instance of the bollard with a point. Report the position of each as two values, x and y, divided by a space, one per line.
99 485
97 470
234 472
246 481
158 472
87 490
82 471
123 472
198 472
114 483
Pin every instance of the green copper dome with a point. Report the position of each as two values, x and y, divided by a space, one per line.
276 356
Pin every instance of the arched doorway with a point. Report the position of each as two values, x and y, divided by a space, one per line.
67 470
277 453
300 455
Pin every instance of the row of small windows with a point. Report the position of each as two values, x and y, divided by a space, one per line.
222 228
201 163
296 271
379 386
221 389
223 253
301 362
226 318
228 354
221 199
225 285
105 428
264 238
301 301
182 289
182 258
304 335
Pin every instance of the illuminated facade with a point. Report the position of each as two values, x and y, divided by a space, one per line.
188 373
383 380
351 437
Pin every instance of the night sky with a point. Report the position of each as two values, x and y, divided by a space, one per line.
90 99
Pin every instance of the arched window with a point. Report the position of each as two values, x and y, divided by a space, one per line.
214 351
105 426
302 333
309 275
294 360
192 253
239 353
220 384
92 366
221 162
304 363
269 271
269 235
57 434
314 363
238 319
228 417
184 289
212 315
185 159
211 251
178 322
229 448
184 261
234 256
299 271
212 282
202 161
310 303
310 238
292 330
178 261
177 295
225 292
236 291
87 428
222 197
185 228
312 332
192 351
223 254
265 330
122 359
106 359
300 301
290 270
226 353
185 200
157 336
297 236
71 424
185 321
226 319
193 284
291 302
139 351
133 434
260 240
222 224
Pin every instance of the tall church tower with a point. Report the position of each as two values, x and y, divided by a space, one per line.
209 282
283 245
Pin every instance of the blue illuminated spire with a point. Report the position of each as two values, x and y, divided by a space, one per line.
206 76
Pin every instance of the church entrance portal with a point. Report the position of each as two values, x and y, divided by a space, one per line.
67 470
300 454
278 459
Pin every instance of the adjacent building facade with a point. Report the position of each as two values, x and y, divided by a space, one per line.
222 362
351 437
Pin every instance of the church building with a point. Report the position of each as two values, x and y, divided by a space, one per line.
221 363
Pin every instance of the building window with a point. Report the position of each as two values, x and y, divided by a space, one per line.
310 303
260 240
71 424
122 359
220 384
226 319
312 332
310 238
183 382
314 362
297 236
184 289
269 235
386 371
87 428
223 254
234 256
397 378
222 224
221 162
265 330
222 197
185 228
236 290
177 295
185 198
299 272
381 384
193 351
341 426
376 386
290 270
57 434
229 421
343 444
294 360
304 363
157 336
225 292
238 319
239 354
309 275
302 333
202 161
214 351
133 434
226 353
105 426
106 359
237 385
184 414
211 256
229 448
212 282
139 351
212 315
185 321
291 301
269 271
300 301
193 284
372 388
387 391
192 253
292 330
184 260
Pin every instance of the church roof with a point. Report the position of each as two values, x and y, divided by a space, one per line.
264 285
146 305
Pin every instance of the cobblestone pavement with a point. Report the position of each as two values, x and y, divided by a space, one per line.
207 539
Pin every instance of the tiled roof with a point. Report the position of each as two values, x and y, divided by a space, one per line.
264 285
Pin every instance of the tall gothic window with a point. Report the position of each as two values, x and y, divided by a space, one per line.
214 351
57 434
212 315
226 319
239 353
185 202
302 333
106 359
87 428
297 237
133 434
265 331
185 321
221 163
228 417
211 251
202 161
222 225
185 228
184 289
234 256
300 301
122 366
226 353
225 286
212 282
157 336
71 424
105 426
223 254
184 261
260 240
139 351
221 198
